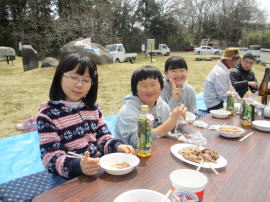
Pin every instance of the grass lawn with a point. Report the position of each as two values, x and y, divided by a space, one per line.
22 92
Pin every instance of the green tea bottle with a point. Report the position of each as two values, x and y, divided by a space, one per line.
144 133
231 95
246 111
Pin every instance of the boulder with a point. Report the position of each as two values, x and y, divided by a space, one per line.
29 57
95 51
49 62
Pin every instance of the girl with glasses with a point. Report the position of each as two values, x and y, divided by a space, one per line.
71 121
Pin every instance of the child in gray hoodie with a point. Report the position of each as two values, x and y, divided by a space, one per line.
146 86
176 90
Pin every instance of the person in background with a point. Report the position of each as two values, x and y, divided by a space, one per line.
71 121
176 90
217 82
242 77
146 86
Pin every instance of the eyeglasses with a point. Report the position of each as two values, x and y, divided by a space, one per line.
76 80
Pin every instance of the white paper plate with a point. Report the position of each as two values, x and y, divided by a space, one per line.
262 125
220 113
107 160
230 134
221 162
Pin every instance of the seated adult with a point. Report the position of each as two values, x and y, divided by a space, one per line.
242 77
146 86
217 82
176 90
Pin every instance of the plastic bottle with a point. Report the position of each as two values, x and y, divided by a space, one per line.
264 89
247 111
231 96
144 134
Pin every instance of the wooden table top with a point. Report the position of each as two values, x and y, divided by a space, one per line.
246 178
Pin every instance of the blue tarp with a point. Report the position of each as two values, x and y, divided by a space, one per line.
20 154
200 102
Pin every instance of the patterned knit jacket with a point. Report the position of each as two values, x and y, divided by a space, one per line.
63 128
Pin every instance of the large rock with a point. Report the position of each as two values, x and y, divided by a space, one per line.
29 57
6 51
50 62
96 52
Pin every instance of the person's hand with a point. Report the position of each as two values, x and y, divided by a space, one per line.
253 84
125 148
179 112
89 166
176 92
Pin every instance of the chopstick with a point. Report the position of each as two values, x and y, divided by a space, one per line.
213 169
199 167
167 195
246 136
74 155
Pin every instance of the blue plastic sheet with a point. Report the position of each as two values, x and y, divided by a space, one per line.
20 154
200 102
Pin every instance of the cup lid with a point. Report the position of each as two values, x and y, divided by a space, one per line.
188 180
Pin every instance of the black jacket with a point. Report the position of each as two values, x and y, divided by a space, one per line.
239 79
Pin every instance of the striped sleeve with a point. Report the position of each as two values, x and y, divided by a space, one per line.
52 150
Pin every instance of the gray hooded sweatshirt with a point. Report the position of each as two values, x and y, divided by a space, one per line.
187 98
126 121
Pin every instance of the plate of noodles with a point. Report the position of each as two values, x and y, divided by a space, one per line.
194 155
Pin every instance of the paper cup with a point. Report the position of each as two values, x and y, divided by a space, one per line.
187 185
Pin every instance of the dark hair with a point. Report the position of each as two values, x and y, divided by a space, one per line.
68 63
143 73
249 55
175 62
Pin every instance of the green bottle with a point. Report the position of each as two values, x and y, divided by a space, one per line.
144 134
231 95
246 111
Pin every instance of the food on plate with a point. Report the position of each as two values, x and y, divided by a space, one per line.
198 155
230 130
121 165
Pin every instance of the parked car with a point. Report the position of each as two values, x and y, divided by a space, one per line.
255 47
190 48
207 50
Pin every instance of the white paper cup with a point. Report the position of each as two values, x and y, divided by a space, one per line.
188 185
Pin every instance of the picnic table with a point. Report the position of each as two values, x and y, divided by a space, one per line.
244 178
